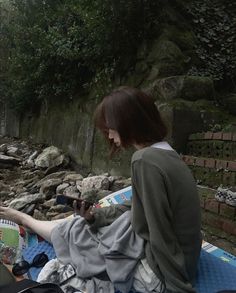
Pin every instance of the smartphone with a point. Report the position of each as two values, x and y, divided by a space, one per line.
66 200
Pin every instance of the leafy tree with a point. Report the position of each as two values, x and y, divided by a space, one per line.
58 47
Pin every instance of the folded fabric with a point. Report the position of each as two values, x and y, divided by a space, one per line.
113 247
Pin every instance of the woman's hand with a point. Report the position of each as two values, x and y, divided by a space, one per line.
88 214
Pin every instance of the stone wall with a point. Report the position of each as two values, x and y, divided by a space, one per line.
69 125
9 122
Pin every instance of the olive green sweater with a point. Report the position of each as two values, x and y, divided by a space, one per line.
166 213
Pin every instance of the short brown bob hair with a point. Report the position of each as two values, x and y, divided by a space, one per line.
133 114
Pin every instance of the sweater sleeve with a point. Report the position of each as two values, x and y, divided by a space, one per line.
152 220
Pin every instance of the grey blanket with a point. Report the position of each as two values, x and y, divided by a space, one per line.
114 249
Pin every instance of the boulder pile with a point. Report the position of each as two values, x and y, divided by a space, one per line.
31 177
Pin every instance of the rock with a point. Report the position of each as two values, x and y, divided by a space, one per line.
73 177
230 103
61 188
51 215
63 215
20 203
9 160
3 186
197 88
56 175
78 184
141 67
119 184
48 188
50 157
72 191
51 170
166 59
31 158
30 181
186 87
167 88
3 148
38 215
13 151
29 209
4 195
49 203
94 183
28 174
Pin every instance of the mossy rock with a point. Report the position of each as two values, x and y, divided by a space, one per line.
185 39
166 89
230 104
191 88
166 59
197 87
141 67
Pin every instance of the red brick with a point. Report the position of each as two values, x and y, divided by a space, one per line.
227 136
231 166
212 205
217 135
208 135
227 211
200 162
234 137
210 163
212 220
229 227
221 164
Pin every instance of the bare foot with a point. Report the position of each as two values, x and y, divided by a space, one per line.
14 216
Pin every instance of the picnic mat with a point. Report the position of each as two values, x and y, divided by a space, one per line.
30 252
213 273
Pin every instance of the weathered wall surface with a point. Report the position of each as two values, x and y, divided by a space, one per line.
70 127
9 122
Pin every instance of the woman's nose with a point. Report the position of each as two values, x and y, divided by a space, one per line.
110 136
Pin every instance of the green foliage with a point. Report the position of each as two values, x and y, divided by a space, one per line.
55 49
214 24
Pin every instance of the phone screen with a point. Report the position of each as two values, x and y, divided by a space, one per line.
66 200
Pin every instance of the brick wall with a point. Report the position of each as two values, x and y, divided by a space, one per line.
219 216
212 172
218 145
212 159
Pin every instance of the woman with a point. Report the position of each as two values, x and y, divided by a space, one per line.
165 203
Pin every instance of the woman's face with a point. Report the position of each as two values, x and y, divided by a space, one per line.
114 135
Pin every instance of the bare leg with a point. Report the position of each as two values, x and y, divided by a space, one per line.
42 228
